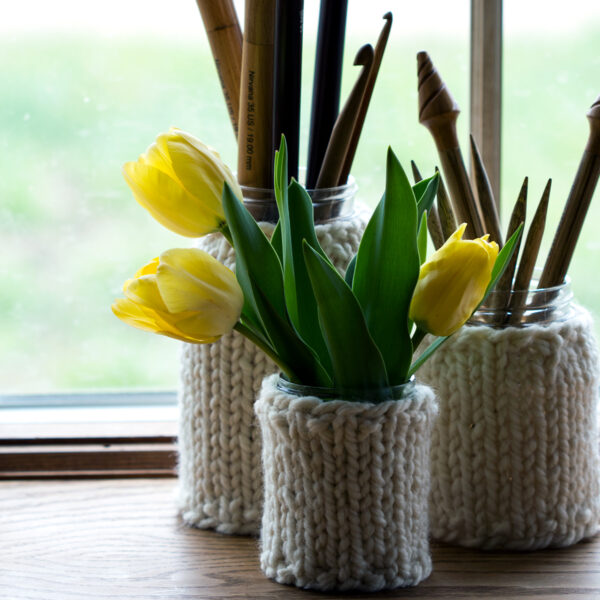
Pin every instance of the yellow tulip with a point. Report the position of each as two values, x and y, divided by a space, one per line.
452 283
180 180
184 294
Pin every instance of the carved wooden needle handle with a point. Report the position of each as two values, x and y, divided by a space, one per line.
578 202
438 111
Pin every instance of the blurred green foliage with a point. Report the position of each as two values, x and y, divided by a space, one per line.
74 109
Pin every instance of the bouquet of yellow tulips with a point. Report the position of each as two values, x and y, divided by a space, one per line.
350 334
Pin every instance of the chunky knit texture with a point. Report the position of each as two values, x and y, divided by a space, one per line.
346 487
515 456
220 477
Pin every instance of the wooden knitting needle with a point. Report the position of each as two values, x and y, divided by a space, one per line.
364 105
255 139
445 211
578 202
517 217
491 221
342 130
225 39
438 111
433 219
529 256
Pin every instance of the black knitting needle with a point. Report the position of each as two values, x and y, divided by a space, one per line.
288 71
326 84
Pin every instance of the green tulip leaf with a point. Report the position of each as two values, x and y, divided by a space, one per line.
422 238
304 366
425 192
276 241
257 264
387 270
357 362
297 224
349 276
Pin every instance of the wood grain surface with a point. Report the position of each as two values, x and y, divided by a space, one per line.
121 539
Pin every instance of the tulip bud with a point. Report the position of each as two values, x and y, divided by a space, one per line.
180 181
452 283
184 294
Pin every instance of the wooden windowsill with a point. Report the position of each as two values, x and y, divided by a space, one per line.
122 539
79 442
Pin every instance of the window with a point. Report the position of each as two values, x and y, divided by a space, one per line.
88 86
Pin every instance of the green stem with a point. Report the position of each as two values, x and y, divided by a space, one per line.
224 229
258 341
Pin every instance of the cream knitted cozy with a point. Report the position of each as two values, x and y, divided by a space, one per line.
346 486
515 456
220 477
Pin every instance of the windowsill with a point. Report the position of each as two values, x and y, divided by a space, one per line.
123 539
90 441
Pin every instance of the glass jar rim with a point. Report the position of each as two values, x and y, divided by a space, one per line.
393 392
346 187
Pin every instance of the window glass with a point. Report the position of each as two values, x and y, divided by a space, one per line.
550 71
87 86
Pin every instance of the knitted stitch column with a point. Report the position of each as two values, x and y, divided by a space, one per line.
515 456
220 476
346 487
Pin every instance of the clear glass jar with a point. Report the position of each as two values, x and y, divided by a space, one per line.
328 203
395 392
522 308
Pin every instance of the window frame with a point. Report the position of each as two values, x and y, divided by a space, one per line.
140 448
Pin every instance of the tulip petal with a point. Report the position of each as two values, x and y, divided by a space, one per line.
199 173
169 203
192 280
452 283
148 320
144 290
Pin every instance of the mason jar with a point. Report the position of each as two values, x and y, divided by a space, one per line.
220 471
515 450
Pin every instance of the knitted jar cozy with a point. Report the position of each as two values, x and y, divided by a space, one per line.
346 487
220 474
515 456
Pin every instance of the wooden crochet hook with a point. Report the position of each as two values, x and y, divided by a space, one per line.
341 135
578 202
366 99
485 195
225 39
438 111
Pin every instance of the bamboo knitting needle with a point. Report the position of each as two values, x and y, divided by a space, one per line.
225 39
578 202
485 195
255 139
529 256
517 217
438 111
445 212
342 130
364 105
433 219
